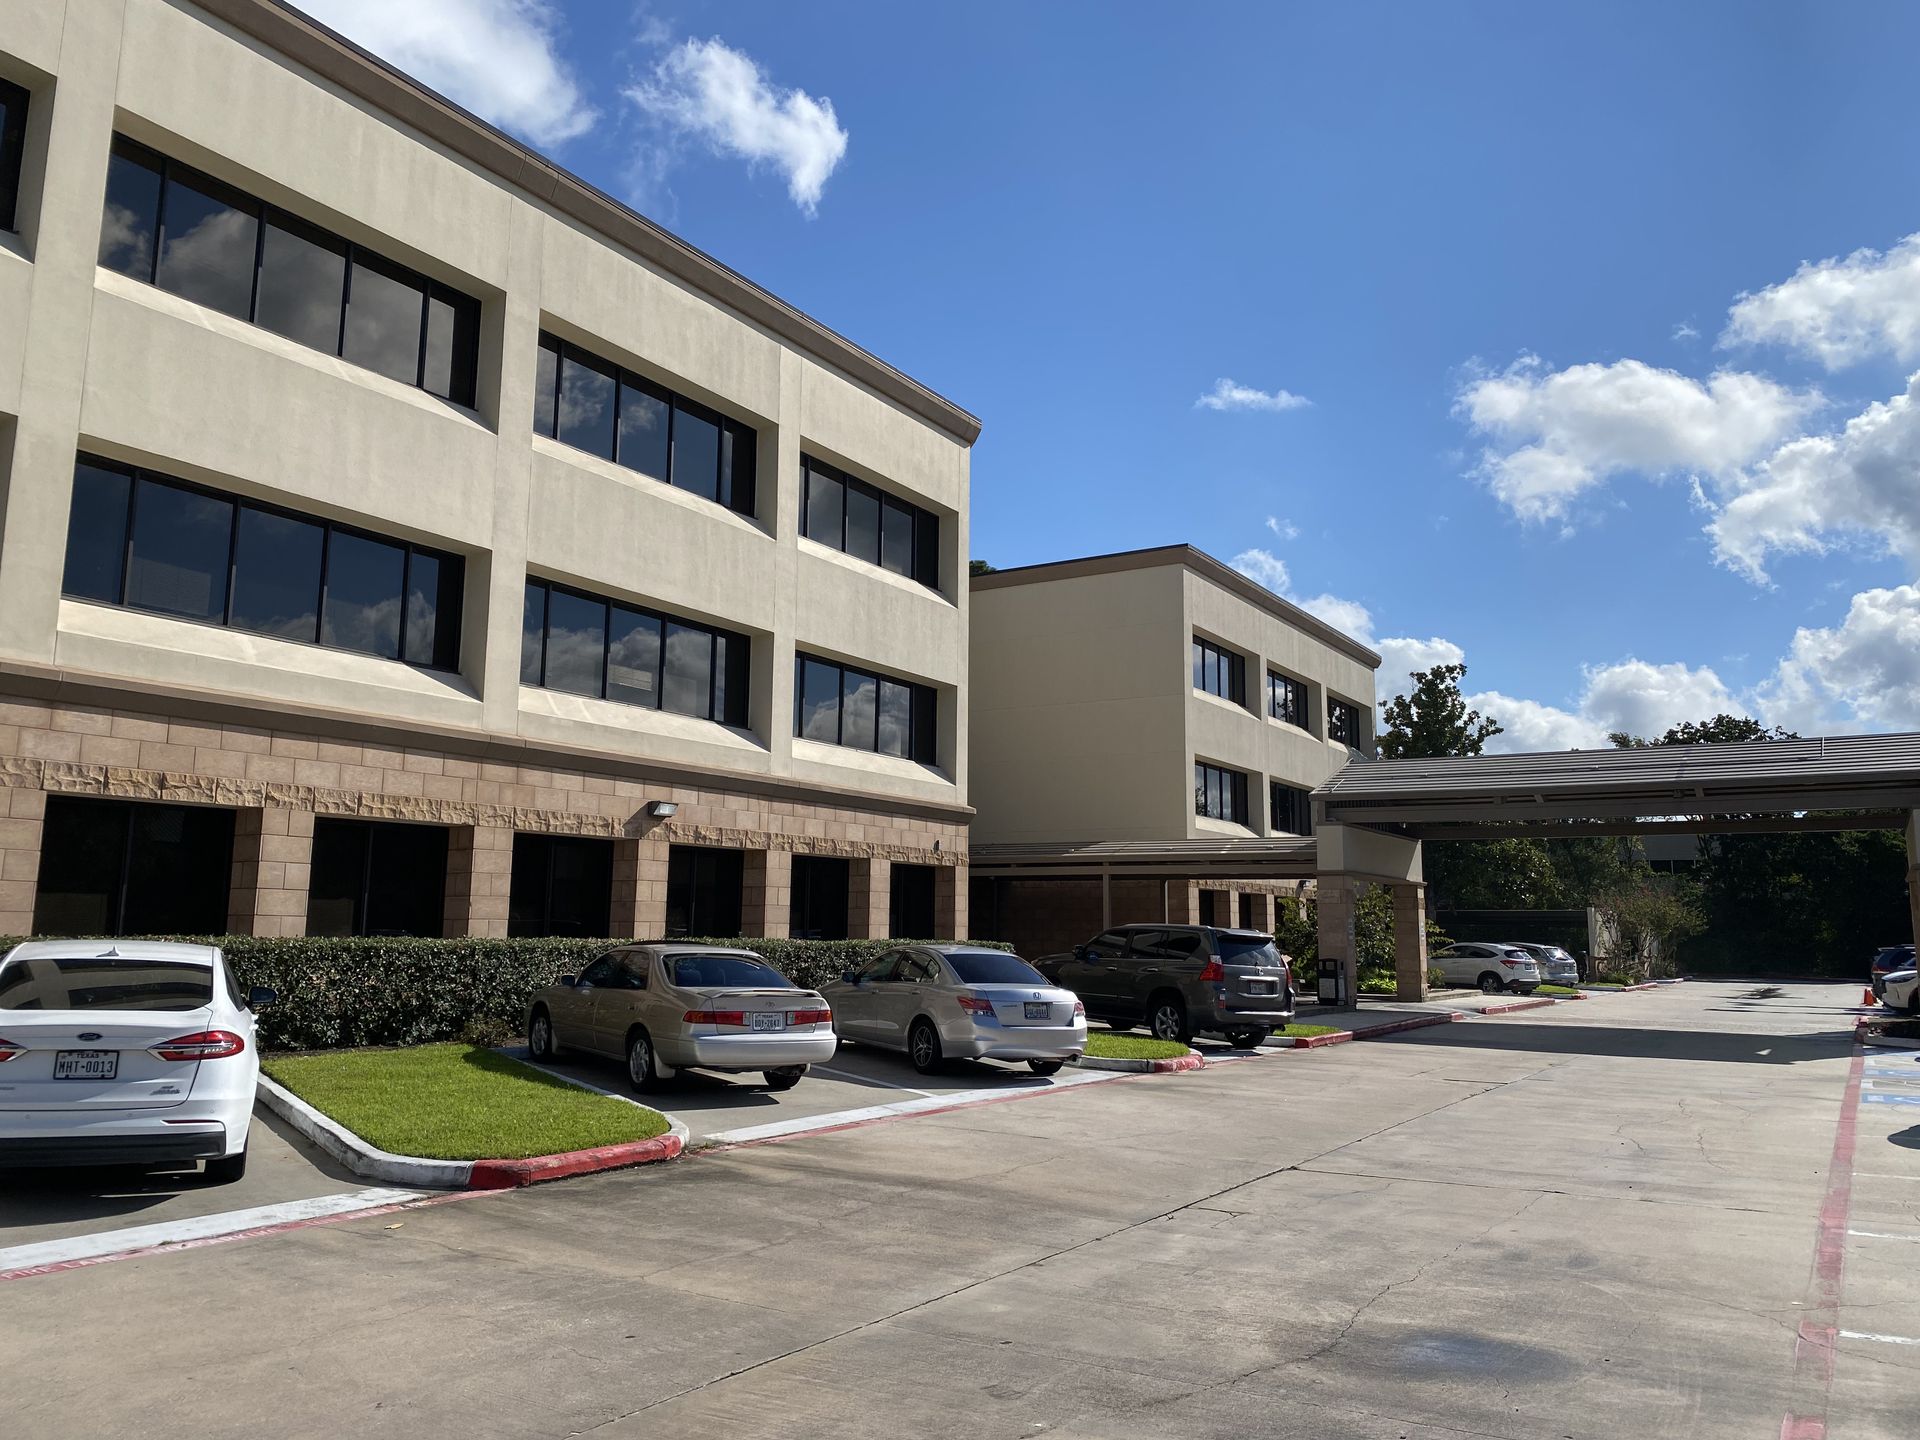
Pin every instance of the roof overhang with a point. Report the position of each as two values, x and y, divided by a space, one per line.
1252 858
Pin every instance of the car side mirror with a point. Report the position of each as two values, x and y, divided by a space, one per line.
569 980
1079 952
259 997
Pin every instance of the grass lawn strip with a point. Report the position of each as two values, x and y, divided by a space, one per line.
1555 990
459 1102
1307 1032
1104 1045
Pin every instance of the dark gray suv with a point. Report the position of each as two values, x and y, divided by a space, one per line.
1180 981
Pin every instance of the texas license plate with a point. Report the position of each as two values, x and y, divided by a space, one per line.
86 1064
1260 987
1038 1010
770 1020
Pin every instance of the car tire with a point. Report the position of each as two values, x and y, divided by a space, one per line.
1045 1067
540 1036
1490 984
225 1169
923 1047
1246 1039
1167 1019
1121 1027
785 1078
643 1070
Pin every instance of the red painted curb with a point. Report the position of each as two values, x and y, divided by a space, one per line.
1313 1042
1177 1063
1116 1065
505 1174
1418 1023
1508 1009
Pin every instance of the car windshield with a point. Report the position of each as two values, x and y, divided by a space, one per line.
993 967
699 972
1246 950
87 982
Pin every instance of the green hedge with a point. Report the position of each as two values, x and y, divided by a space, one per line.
351 991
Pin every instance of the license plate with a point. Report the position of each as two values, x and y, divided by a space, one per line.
770 1020
86 1064
1039 1010
1260 987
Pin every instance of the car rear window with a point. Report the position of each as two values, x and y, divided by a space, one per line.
698 972
993 967
1245 950
84 982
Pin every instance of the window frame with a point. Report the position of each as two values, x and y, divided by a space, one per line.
1297 712
13 151
722 669
1282 800
1344 716
923 728
463 384
1234 786
1214 663
241 503
923 538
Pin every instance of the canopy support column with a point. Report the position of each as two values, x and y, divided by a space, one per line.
1410 941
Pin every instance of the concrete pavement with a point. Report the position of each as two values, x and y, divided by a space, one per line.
1594 1220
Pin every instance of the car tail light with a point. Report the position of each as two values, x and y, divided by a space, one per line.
1510 963
1214 971
201 1045
809 1017
1078 1008
8 1050
974 1005
716 1017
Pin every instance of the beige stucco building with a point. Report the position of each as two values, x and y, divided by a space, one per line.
1157 696
390 514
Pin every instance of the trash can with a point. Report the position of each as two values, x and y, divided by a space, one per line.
1333 983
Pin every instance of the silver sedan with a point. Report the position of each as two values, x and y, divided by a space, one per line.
940 1002
665 1007
1557 967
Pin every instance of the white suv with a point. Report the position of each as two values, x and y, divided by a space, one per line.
118 1052
1492 968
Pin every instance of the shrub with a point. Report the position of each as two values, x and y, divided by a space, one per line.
349 991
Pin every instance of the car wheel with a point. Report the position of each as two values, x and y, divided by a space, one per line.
1491 984
1167 1020
1245 1039
225 1169
784 1078
643 1071
923 1047
1045 1067
540 1036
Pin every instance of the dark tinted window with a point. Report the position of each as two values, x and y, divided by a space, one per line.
1245 950
704 972
533 636
433 610
85 983
894 731
365 590
1287 699
820 889
704 891
453 345
546 385
696 451
1291 809
385 309
209 233
896 537
276 574
181 539
595 647
910 907
576 643
562 885
687 686
990 967
1344 723
13 140
825 513
859 702
111 867
1220 794
586 404
1219 671
633 657
840 705
738 464
372 878
819 702
303 276
645 417
863 524
131 224
97 532
731 656
864 521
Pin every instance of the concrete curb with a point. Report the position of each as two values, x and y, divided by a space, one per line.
1513 1005
1397 1027
1192 1060
1309 1042
1890 1042
418 1172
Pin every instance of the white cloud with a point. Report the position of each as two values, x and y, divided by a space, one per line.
1839 311
1349 617
1634 696
1528 725
499 58
1285 529
1685 331
1405 655
1861 674
708 90
1264 568
1860 482
1232 395
1557 434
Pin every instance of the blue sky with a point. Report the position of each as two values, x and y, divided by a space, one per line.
1498 251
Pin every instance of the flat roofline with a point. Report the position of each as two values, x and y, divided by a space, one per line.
1192 558
298 37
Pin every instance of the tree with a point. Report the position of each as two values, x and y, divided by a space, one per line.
979 567
1434 719
1649 915
1722 729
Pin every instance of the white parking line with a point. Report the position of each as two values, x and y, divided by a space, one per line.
839 1119
1882 1235
864 1079
1882 1339
76 1248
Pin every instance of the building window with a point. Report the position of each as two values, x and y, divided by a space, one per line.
209 242
1219 672
820 886
703 892
150 543
838 705
1220 794
113 867
910 902
13 148
867 523
1287 699
594 405
1290 810
562 885
1344 723
589 646
374 878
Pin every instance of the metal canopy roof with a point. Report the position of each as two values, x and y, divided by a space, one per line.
1230 857
1878 773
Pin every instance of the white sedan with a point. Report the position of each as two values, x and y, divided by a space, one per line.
117 1052
1901 991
